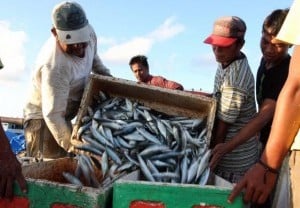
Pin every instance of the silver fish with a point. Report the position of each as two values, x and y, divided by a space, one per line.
100 138
154 149
166 175
184 168
148 136
145 169
192 170
203 163
127 129
104 163
114 156
72 179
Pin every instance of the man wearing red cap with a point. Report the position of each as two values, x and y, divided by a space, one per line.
234 91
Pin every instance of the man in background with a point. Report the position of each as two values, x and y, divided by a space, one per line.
140 67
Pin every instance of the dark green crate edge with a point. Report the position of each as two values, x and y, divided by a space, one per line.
43 194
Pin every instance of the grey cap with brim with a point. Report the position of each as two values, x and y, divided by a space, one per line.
70 22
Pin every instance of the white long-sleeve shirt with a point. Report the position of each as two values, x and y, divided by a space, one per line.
57 86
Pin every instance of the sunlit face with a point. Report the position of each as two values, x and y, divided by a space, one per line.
140 72
272 52
225 55
77 49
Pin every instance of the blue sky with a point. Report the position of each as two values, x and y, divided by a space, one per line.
169 32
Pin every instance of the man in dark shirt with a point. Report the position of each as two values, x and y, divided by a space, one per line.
273 70
140 67
269 82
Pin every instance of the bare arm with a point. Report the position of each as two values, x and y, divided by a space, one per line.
264 115
172 85
3 140
220 132
10 168
287 116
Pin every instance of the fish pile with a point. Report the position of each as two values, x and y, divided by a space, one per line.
119 136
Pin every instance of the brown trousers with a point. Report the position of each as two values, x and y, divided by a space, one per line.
39 141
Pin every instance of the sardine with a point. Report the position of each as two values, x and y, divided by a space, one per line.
72 179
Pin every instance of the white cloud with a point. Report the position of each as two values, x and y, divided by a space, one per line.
207 59
167 30
120 53
106 41
167 68
12 53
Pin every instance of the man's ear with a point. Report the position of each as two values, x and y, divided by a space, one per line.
53 31
242 42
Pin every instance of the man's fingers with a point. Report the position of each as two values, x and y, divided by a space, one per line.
211 162
2 187
8 193
214 159
256 195
212 166
237 190
22 183
213 151
249 192
263 197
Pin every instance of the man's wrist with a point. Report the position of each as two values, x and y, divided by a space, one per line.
267 167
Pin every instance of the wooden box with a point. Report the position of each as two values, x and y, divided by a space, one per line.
171 102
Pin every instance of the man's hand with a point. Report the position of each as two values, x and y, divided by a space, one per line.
217 153
257 185
10 170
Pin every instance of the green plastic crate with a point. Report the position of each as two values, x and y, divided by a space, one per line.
168 195
45 194
47 188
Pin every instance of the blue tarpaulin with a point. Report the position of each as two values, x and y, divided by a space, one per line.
17 141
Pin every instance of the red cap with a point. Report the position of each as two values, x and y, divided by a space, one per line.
226 31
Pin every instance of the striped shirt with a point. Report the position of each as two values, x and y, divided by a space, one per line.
234 91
